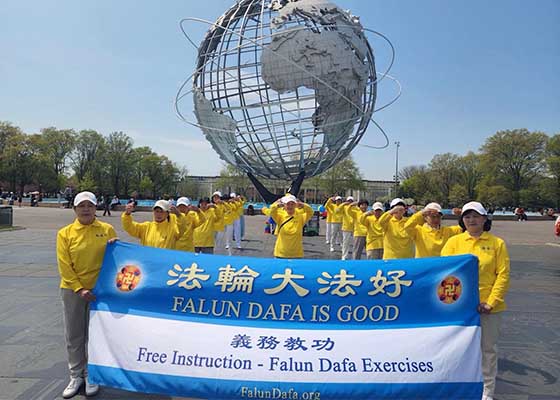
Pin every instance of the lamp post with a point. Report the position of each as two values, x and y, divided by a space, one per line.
397 169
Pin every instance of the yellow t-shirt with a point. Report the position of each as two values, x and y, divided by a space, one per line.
289 242
194 220
493 265
347 221
396 241
429 241
355 213
163 235
79 252
332 215
204 234
374 238
219 222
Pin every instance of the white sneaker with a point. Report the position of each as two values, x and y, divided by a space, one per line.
332 249
227 246
327 242
73 387
91 388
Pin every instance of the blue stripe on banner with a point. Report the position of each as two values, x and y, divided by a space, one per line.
229 389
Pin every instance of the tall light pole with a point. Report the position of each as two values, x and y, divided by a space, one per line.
397 169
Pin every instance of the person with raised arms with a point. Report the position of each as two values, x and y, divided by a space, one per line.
427 233
80 248
204 234
347 226
334 221
493 282
355 211
167 226
194 218
396 241
289 241
374 237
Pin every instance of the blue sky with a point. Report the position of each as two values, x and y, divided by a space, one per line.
468 69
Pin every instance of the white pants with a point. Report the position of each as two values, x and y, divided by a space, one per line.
237 232
335 233
219 239
328 232
346 239
228 235
76 324
490 330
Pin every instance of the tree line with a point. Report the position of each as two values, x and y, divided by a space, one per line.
512 168
57 158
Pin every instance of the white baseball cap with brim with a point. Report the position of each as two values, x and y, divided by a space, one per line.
433 206
377 206
349 198
163 204
337 198
474 205
232 195
85 196
396 201
288 198
217 193
183 201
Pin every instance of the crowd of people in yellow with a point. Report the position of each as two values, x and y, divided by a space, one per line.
212 224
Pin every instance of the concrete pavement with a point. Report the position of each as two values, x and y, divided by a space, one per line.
32 350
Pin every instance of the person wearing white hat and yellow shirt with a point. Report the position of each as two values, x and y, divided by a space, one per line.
167 227
80 248
239 201
194 218
334 218
355 211
493 282
289 241
374 237
425 229
221 208
347 226
396 241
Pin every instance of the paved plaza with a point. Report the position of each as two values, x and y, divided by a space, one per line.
32 350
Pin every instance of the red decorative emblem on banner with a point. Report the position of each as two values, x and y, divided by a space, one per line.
449 290
128 278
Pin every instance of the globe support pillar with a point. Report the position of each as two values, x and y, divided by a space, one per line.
270 197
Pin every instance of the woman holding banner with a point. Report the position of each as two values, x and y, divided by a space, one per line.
493 272
80 248
163 232
289 243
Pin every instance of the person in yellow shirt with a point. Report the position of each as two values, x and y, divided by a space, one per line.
374 237
355 211
347 226
334 218
396 241
425 229
237 222
289 241
166 228
221 209
204 234
80 248
194 218
493 282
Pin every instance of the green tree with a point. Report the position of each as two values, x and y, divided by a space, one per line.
515 158
57 145
444 172
469 174
89 155
20 161
343 176
232 179
458 195
119 161
553 166
493 195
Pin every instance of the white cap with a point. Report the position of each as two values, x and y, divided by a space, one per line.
184 201
396 201
474 205
349 198
337 198
217 193
288 198
433 206
377 206
163 204
232 195
85 196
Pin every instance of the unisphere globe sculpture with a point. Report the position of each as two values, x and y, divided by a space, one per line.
283 87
